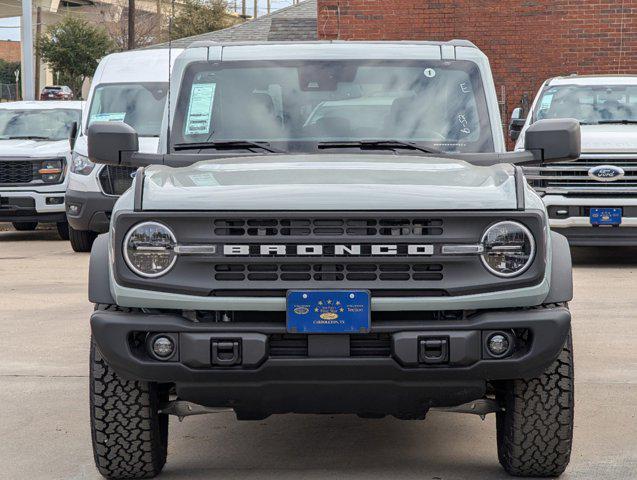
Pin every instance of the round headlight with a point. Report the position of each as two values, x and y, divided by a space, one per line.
509 249
149 249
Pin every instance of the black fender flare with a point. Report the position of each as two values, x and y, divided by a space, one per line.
561 288
99 285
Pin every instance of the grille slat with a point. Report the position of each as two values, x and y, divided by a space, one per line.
574 177
116 180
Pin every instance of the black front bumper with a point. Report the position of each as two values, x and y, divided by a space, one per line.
320 381
94 210
22 209
599 236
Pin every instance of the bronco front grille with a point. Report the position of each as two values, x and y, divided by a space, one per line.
328 272
116 180
334 227
573 177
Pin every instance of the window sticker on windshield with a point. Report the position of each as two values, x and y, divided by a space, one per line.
108 117
430 73
547 100
203 179
200 108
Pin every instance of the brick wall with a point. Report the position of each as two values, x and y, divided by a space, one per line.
526 41
9 51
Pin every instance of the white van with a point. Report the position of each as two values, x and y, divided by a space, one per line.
35 152
128 87
593 201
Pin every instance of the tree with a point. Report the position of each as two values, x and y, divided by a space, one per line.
114 16
7 71
72 48
194 17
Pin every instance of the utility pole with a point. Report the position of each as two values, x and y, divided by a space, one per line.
26 33
256 8
131 24
38 31
269 2
159 20
243 8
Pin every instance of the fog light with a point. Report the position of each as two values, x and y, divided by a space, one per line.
498 344
73 209
54 200
163 347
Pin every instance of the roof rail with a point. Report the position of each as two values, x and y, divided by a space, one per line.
458 42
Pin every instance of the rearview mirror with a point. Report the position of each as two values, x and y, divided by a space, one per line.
516 124
554 140
111 143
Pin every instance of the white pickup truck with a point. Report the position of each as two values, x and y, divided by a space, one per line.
592 201
35 152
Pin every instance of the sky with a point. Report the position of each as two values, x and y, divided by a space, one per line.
10 27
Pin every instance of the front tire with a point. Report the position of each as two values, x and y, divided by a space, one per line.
25 226
535 430
130 436
63 230
81 240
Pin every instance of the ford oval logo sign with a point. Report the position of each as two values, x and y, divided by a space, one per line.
606 173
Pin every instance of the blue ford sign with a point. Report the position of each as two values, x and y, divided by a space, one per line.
606 173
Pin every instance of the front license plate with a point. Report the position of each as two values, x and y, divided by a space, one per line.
606 216
328 311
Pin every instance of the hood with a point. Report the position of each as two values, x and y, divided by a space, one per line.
146 145
330 182
34 148
609 138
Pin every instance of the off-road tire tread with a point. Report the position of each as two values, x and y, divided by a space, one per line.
129 435
81 240
535 431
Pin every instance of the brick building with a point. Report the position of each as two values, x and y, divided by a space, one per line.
526 41
9 51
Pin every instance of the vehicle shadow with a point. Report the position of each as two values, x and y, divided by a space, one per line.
44 233
604 256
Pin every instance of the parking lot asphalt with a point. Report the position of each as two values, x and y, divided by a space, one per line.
44 425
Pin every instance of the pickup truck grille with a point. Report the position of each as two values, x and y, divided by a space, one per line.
116 180
572 178
17 171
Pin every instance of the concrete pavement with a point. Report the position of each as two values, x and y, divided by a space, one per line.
44 426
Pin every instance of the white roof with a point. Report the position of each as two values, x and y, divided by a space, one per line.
43 105
136 66
595 80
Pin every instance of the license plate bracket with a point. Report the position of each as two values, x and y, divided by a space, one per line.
328 311
606 216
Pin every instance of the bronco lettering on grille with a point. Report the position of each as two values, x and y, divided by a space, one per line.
331 250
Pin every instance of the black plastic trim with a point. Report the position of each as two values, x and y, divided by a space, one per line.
99 290
95 210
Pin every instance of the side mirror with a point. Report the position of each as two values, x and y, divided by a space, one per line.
73 135
516 124
554 140
111 143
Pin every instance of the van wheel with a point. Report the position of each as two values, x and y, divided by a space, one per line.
25 226
535 430
81 240
63 230
130 436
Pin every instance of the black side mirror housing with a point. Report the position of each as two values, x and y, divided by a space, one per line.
73 135
111 143
516 124
554 140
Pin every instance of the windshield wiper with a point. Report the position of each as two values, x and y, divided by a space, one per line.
228 145
624 121
28 137
377 145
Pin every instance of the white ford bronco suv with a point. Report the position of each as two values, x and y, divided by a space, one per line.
331 228
592 201
35 152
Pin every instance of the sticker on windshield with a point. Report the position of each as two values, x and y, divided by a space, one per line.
200 108
547 100
203 179
430 73
108 117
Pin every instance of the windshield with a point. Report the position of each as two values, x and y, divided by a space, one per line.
140 105
45 124
589 104
436 104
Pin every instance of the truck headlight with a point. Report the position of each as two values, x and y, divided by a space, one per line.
509 249
51 171
81 165
149 249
